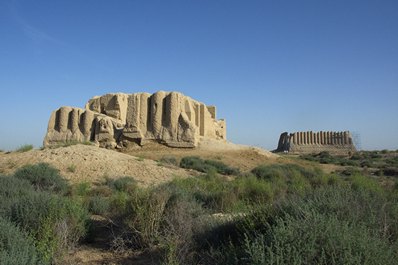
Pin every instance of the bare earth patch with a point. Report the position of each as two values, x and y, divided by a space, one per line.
241 156
84 163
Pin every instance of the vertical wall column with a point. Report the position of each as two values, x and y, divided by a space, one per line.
88 118
346 138
202 120
144 102
132 118
197 115
156 112
321 137
63 118
74 120
172 112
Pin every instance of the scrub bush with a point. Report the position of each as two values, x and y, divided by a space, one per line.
55 223
206 166
98 205
330 225
15 246
43 177
24 148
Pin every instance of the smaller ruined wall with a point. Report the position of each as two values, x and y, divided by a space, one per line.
315 142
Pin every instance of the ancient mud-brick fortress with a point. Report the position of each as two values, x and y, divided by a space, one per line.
315 142
122 120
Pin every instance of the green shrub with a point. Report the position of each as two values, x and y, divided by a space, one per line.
206 166
194 162
98 205
122 184
359 182
81 189
330 241
327 158
11 189
350 171
24 148
146 211
43 177
170 160
118 202
71 168
222 168
102 190
212 191
253 190
331 225
390 171
15 246
297 178
55 223
178 228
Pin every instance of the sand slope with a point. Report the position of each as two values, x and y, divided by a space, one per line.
80 163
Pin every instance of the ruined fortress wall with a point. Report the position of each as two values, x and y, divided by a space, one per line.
116 119
315 142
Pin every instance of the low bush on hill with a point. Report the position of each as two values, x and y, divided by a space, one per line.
24 148
206 166
169 160
98 205
43 177
122 184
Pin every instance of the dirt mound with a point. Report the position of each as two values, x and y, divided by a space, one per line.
80 163
241 156
85 163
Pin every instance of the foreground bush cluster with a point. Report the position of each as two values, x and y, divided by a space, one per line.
274 214
38 223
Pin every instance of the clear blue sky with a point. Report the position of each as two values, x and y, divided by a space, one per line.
269 66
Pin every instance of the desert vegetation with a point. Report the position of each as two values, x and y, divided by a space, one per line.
287 213
381 163
40 221
24 148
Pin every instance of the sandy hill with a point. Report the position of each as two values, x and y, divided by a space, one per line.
85 163
80 163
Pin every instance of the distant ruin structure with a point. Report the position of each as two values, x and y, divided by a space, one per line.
121 120
315 142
